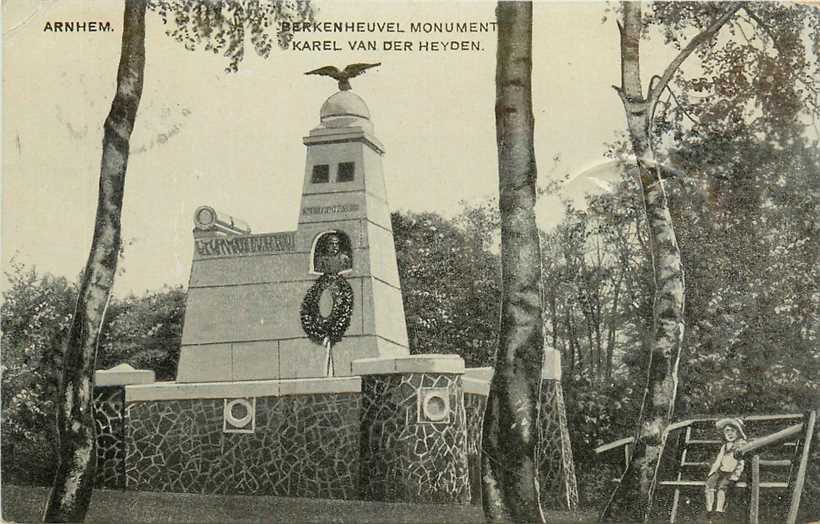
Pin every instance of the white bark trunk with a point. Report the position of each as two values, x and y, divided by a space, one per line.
74 481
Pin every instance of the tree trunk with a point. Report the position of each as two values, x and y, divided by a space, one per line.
599 349
554 316
586 310
613 316
668 321
510 432
74 481
573 340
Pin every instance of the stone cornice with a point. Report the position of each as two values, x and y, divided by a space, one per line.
247 388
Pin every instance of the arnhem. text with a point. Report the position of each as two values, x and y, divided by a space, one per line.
78 26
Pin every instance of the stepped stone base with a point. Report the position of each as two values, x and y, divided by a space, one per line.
403 429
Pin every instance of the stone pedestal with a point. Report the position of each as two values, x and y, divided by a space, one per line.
555 463
413 429
109 416
476 389
559 489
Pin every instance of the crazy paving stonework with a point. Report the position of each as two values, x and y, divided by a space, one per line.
302 446
474 406
403 459
109 404
559 489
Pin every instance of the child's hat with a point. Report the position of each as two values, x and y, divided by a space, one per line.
734 422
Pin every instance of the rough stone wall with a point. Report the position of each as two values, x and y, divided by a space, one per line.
302 446
474 406
402 459
109 406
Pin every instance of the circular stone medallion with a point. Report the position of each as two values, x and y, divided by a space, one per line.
238 413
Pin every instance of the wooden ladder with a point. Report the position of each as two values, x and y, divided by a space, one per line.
754 484
690 465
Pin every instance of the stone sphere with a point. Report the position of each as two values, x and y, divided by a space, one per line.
345 109
346 104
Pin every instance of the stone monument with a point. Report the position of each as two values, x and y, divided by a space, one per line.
295 377
242 320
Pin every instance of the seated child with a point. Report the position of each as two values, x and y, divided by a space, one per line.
727 467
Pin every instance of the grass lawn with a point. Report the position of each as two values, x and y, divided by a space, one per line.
25 504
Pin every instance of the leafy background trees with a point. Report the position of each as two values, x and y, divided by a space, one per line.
35 316
450 282
142 331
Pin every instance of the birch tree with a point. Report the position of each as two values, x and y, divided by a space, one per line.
509 468
74 480
659 398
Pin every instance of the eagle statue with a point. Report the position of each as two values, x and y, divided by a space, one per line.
343 76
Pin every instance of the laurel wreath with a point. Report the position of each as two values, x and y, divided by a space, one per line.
332 328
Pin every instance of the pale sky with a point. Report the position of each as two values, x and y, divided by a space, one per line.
234 141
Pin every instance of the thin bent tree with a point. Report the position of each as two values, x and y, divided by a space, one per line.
74 480
659 397
221 28
510 432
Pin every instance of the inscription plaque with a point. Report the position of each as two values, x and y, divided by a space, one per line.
246 245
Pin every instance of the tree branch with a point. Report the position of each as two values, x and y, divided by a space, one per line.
761 23
693 44
742 32
682 108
